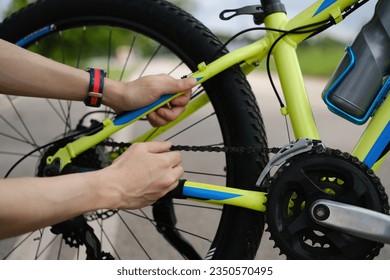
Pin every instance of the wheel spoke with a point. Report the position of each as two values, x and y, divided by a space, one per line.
134 236
176 67
49 247
109 51
23 139
128 56
150 60
100 222
191 126
153 222
33 143
16 154
205 173
81 48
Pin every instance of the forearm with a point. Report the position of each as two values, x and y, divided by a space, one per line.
28 74
30 203
142 174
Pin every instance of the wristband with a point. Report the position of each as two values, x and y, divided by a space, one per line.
95 89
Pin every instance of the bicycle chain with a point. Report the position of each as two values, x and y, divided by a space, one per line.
217 149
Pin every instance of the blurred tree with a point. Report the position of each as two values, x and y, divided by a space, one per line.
17 5
68 46
187 5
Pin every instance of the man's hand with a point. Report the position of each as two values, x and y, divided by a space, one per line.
146 90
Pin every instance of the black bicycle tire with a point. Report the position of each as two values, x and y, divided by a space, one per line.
240 230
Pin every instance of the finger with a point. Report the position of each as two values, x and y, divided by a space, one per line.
179 85
178 173
157 147
155 120
164 115
174 158
172 187
181 100
169 114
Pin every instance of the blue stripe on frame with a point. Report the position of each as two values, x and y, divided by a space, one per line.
325 5
207 194
132 115
379 146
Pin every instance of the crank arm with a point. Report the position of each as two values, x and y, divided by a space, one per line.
353 220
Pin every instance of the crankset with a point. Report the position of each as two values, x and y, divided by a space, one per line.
325 204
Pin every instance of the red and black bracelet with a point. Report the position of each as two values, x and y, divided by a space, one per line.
95 89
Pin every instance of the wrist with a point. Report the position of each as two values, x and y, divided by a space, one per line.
106 194
113 94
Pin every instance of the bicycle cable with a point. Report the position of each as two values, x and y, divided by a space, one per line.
298 30
323 25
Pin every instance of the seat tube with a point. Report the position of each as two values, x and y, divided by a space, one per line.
291 79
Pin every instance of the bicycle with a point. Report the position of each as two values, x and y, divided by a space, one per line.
249 192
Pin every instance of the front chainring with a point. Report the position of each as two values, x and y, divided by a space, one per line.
321 173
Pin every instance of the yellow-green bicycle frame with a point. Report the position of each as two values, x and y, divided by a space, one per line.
297 104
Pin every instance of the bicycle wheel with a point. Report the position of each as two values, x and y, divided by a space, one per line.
130 39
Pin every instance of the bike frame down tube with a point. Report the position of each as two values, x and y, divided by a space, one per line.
371 148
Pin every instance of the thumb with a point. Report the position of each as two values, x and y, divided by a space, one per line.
172 85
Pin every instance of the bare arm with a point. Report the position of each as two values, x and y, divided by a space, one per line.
28 74
139 177
143 174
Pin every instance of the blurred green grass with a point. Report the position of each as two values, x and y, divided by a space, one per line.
317 57
320 57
